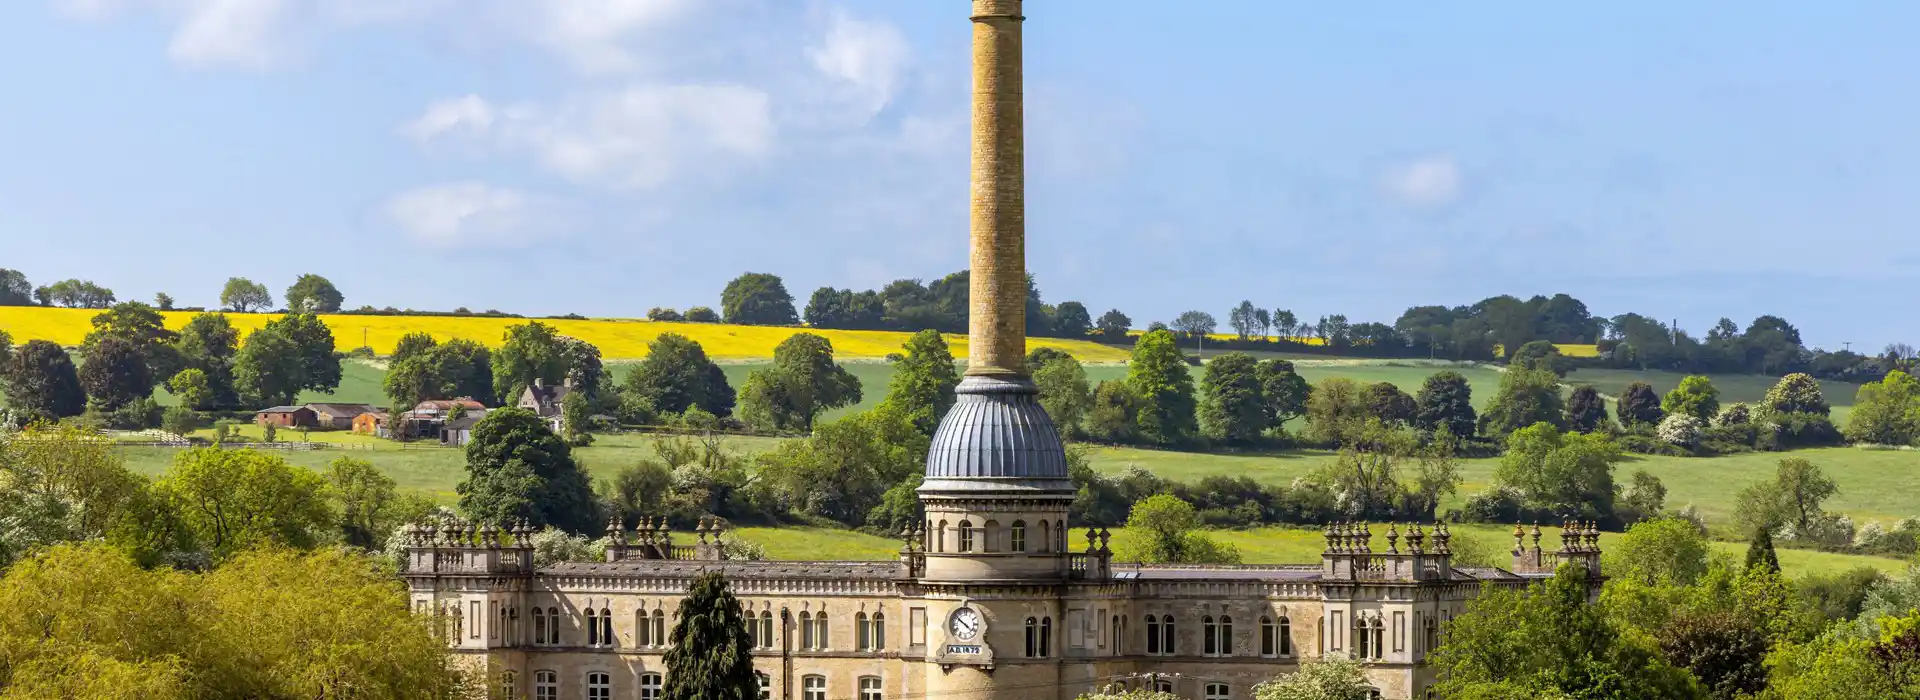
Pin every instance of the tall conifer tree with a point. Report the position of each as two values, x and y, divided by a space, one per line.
711 657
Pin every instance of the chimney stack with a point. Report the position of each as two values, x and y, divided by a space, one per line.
997 281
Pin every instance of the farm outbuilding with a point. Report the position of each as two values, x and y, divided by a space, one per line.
339 416
287 417
371 423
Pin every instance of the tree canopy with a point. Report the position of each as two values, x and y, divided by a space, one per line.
758 298
313 294
517 469
923 381
802 383
1157 373
677 375
243 295
711 657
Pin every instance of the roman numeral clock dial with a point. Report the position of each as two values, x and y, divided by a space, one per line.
965 624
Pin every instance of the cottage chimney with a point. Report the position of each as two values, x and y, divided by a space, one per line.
539 383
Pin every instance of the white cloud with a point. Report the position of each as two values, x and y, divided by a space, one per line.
471 213
244 33
864 57
596 36
635 138
1432 181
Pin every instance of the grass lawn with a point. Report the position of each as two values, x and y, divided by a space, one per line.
1267 545
1747 388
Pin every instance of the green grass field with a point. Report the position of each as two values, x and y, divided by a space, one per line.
1267 545
1733 387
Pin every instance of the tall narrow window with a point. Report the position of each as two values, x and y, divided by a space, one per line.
820 631
1046 637
1113 630
879 632
813 688
553 625
753 630
1209 636
860 631
650 686
546 685
476 619
599 686
990 536
1226 636
1060 538
806 630
539 626
509 684
1286 636
499 620
1269 637
1379 639
966 535
1218 691
1017 537
1033 638
766 628
870 688
593 627
1153 635
1167 638
606 627
1046 536
644 631
660 628
940 537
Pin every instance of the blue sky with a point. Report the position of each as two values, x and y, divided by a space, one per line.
605 156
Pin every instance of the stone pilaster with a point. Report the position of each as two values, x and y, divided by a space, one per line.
996 333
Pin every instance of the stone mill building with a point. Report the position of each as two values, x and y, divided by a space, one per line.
997 596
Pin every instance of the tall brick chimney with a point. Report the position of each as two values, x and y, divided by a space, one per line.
996 333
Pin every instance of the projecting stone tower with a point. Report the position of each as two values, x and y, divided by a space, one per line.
996 491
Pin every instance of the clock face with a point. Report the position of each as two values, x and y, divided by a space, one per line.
965 624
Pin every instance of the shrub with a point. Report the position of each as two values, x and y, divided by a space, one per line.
702 314
1799 429
180 420
664 314
1733 414
1679 429
1499 504
139 414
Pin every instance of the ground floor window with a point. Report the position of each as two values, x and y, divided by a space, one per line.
1218 691
650 686
870 688
546 685
599 686
766 685
813 688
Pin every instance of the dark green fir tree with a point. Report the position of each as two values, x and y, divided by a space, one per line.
711 657
1760 551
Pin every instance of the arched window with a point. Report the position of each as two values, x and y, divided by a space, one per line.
753 630
1046 536
766 630
1360 633
1209 636
1286 636
546 685
1060 538
879 632
606 627
539 626
1269 637
644 630
1113 632
820 631
1163 686
553 625
650 686
870 688
1433 634
1226 636
990 536
813 688
1218 691
940 537
1379 639
660 628
806 630
1166 635
1017 537
593 627
860 632
966 535
599 686
1046 637
1033 638
513 624
1153 635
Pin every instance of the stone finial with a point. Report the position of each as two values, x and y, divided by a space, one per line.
1103 541
1091 536
1326 531
615 531
1593 536
1536 536
1442 539
1366 538
1416 540
700 529
1519 539
1393 538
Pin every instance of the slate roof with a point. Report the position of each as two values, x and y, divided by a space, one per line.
996 438
341 410
650 568
284 409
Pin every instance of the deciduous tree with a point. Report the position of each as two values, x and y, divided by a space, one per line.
1071 320
1113 326
1337 411
1639 406
15 290
677 375
313 294
115 374
1064 391
1326 679
1587 410
41 381
517 469
1163 529
531 350
243 295
1157 373
758 298
1887 412
1567 475
802 383
1283 392
1194 324
1445 400
923 381
1695 396
1525 397
233 500
1388 404
1114 415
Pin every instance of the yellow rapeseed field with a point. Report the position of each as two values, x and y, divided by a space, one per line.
617 339
1224 337
1568 349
